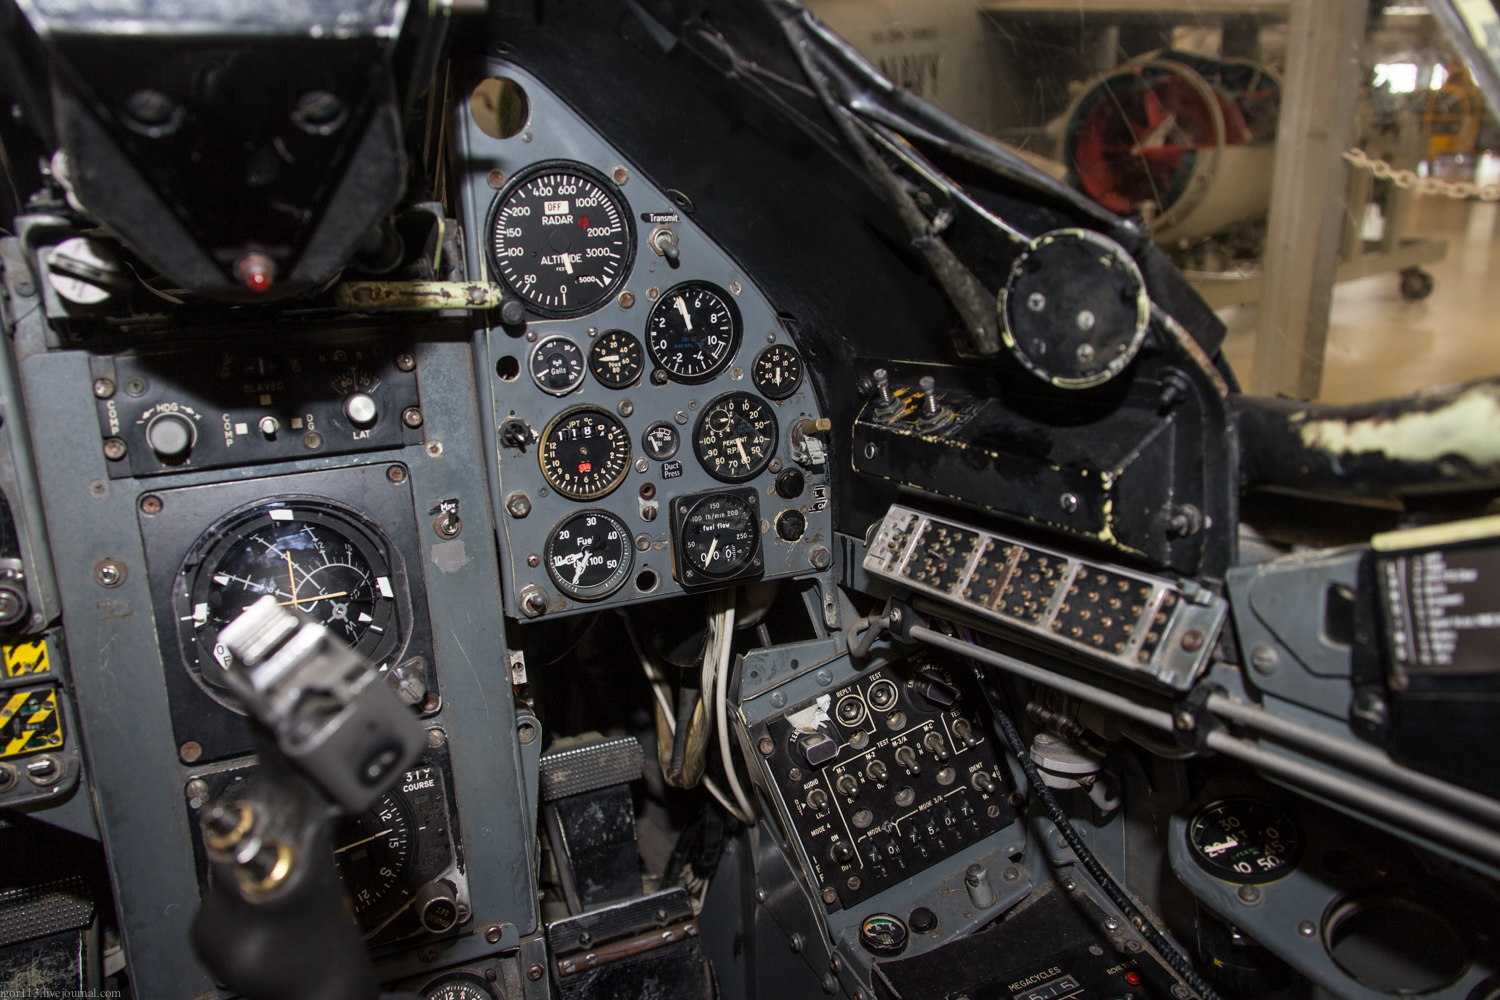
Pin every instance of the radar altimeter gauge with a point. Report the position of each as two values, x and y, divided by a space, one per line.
585 453
617 359
557 365
693 331
735 437
716 537
777 371
1245 841
325 561
560 238
589 554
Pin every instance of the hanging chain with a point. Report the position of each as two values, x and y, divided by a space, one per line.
1408 180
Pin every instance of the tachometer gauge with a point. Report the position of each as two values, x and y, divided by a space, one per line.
557 365
777 371
560 238
718 538
617 359
321 560
1245 841
693 331
585 453
376 852
589 554
735 437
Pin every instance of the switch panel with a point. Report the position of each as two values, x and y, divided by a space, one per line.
887 775
209 409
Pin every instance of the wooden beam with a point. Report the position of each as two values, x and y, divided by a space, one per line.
1308 194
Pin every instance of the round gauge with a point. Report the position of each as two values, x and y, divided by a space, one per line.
585 453
777 371
719 539
323 561
735 437
1244 841
376 852
660 441
617 359
458 986
589 554
561 239
557 365
693 331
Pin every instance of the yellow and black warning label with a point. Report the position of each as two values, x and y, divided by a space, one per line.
27 659
30 722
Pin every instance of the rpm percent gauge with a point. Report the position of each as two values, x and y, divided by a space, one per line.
560 238
589 555
585 453
1245 841
735 437
693 331
321 560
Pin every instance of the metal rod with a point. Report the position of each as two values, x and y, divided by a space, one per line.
1078 689
1402 812
1374 762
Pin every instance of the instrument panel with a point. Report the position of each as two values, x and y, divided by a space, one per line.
645 398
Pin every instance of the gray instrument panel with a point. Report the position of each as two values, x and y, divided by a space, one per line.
554 132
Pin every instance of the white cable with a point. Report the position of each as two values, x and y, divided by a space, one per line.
721 699
658 688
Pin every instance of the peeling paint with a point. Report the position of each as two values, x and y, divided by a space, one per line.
1468 427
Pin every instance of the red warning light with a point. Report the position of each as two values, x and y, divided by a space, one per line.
257 271
585 466
583 222
1133 978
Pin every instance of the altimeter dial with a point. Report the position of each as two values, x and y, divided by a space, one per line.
560 238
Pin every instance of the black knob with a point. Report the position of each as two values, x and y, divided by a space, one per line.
922 920
512 312
935 689
790 484
437 908
170 436
515 433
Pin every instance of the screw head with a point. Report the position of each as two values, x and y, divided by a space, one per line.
436 738
150 504
406 361
1185 721
496 179
1012 873
493 933
659 376
642 542
1068 502
1307 928
1193 640
519 505
619 175
767 746
396 474
313 442
626 299
778 699
794 942
535 973
114 449
1249 894
820 558
432 702
1036 302
1112 923
1264 658
411 417
734 288
189 752
1085 322
653 293
104 388
626 408
533 560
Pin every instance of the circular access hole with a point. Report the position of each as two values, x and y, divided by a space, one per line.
508 368
499 107
646 581
1396 946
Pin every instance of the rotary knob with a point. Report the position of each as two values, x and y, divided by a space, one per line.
360 408
170 436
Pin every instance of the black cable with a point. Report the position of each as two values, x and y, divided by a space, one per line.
1179 962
